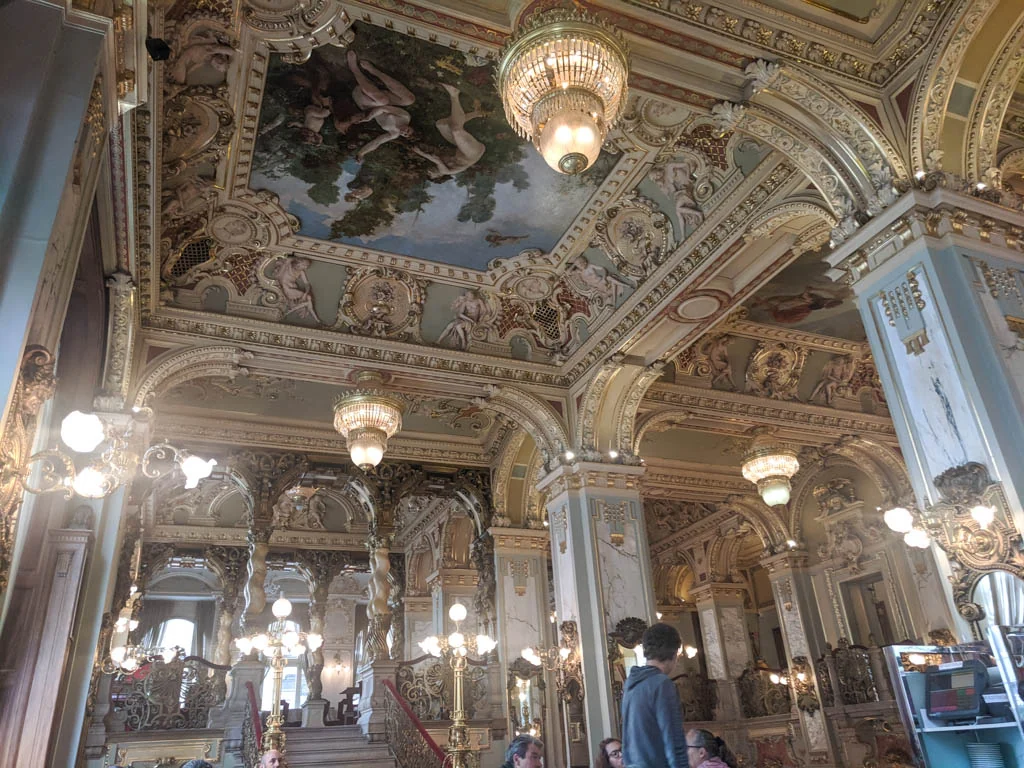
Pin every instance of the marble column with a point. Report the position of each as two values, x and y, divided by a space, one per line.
602 570
804 642
377 664
727 649
521 598
939 278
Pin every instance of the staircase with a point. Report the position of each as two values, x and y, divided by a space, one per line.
341 746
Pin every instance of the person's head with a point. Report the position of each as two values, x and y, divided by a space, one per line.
272 758
310 136
609 754
407 131
524 751
703 745
661 646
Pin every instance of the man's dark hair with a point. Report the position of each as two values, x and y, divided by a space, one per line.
519 746
661 642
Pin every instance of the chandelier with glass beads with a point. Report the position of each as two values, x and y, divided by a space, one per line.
563 80
367 418
770 465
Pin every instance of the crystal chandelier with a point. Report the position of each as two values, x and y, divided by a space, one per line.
367 417
770 465
563 80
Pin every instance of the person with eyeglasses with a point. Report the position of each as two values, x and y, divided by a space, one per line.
609 754
652 717
705 750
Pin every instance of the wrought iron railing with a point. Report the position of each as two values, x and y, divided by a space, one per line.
252 728
853 674
167 696
824 671
764 692
698 695
426 684
409 741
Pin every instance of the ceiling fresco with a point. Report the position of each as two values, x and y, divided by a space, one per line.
401 145
801 297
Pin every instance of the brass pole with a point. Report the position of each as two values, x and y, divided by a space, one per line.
274 737
458 733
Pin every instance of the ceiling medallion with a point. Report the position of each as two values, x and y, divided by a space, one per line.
563 80
770 465
367 418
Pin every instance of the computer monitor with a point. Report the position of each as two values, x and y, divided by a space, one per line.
953 691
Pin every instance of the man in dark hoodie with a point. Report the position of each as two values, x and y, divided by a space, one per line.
652 718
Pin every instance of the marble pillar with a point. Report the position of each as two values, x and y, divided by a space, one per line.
524 620
726 641
804 642
602 570
939 279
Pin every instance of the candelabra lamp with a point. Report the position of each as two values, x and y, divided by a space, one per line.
563 660
456 649
278 643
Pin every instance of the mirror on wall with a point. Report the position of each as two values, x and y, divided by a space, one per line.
1000 595
527 708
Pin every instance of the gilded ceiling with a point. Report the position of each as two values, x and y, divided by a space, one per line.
336 190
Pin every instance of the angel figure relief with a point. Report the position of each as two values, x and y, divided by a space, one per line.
596 281
472 314
290 274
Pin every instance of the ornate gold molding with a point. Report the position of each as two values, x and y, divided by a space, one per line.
34 386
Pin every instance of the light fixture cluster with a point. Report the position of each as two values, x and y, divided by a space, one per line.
562 78
770 465
367 417
116 464
279 641
457 643
900 519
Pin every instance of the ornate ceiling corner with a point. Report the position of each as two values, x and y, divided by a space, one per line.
938 77
874 161
990 105
294 28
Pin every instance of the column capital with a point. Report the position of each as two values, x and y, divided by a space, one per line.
590 474
784 562
922 212
521 540
720 592
453 577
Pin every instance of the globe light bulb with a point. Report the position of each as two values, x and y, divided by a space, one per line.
457 612
314 641
244 644
82 432
169 655
899 519
917 537
117 653
774 678
121 624
92 483
133 624
260 642
290 638
564 652
196 469
690 651
130 664
983 515
485 644
456 639
775 491
282 608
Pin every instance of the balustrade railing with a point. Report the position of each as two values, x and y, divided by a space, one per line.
426 684
764 692
252 728
851 674
168 695
412 746
698 695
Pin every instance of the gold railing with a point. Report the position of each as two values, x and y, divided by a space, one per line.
426 684
764 692
698 695
168 696
252 728
409 741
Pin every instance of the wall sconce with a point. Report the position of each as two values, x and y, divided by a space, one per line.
116 464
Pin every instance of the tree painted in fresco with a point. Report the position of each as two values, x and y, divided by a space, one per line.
392 179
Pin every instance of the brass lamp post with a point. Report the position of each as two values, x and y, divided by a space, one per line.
456 649
275 644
